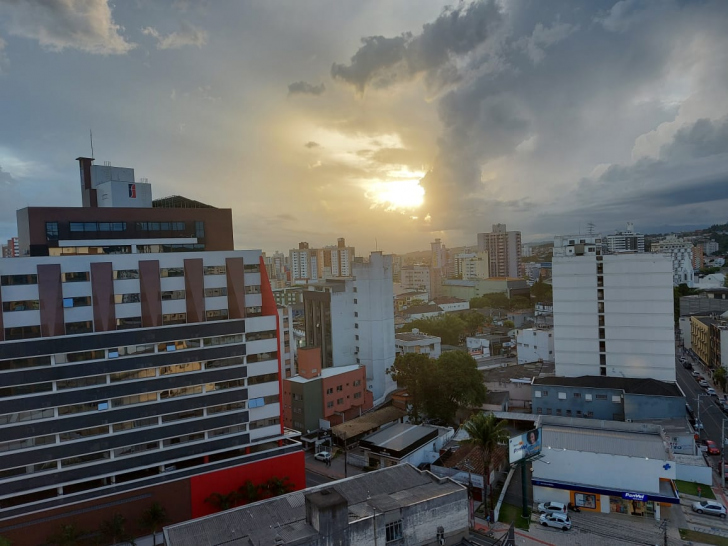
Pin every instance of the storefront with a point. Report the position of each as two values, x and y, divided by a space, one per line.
634 504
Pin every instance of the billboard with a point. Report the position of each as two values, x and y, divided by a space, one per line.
524 446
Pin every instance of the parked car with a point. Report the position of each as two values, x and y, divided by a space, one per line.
723 405
711 392
698 425
322 456
687 365
696 374
552 507
560 521
710 447
709 507
683 359
703 383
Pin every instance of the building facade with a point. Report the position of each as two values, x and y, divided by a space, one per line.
626 241
12 248
472 265
418 343
415 277
352 321
535 344
681 253
504 251
613 314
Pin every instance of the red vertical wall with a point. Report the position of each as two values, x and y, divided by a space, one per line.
224 481
270 308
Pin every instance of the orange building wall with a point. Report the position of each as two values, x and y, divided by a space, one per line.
351 406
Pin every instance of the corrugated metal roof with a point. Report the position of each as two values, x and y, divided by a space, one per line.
613 442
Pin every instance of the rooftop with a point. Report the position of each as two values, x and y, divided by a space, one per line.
447 299
418 309
365 423
518 371
609 437
388 489
179 202
629 385
326 372
412 336
400 436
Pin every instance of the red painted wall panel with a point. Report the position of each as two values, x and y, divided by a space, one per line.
291 465
270 307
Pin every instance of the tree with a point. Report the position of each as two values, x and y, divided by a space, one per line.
114 529
509 324
456 384
720 377
473 320
541 291
5 542
67 535
449 328
223 502
276 486
153 519
486 432
412 371
521 302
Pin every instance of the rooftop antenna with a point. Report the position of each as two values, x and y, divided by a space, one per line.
590 228
376 244
91 137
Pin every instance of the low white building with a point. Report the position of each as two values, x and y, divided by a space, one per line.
418 343
405 443
478 346
534 344
450 304
417 312
605 466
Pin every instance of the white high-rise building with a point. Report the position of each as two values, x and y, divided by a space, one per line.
626 241
352 320
472 265
504 251
613 314
304 263
681 253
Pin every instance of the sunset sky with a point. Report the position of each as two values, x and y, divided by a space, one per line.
376 120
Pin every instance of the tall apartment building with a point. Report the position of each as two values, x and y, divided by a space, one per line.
312 264
277 269
698 257
626 241
352 321
681 253
438 255
129 378
613 314
472 265
415 277
504 251
11 249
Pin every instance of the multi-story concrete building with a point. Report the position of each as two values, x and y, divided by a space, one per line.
418 343
335 394
472 265
415 277
313 264
626 241
698 256
352 321
438 255
304 264
277 269
11 249
286 340
613 314
535 344
504 251
149 376
681 253
469 289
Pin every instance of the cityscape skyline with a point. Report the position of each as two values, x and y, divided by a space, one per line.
389 126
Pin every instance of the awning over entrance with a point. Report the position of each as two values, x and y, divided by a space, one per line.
667 494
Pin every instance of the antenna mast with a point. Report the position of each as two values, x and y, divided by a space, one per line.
91 137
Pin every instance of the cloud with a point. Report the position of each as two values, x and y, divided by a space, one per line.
188 35
543 37
305 88
311 144
86 25
383 62
703 138
6 179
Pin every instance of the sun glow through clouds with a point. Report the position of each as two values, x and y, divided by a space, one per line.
401 192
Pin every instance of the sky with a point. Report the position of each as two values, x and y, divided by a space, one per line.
389 123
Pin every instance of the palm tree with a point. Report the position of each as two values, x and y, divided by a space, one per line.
719 376
5 542
249 492
153 519
276 486
114 529
67 535
486 432
223 502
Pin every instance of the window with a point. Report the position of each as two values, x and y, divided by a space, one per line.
224 362
568 413
588 397
558 411
562 396
138 423
172 272
81 382
330 390
215 292
357 395
83 301
255 336
25 363
394 530
578 413
79 276
174 318
12 280
357 382
339 388
329 404
253 311
82 327
22 305
173 295
601 396
133 374
52 231
616 399
83 433
539 411
22 390
258 379
251 268
200 229
548 411
214 270
577 395
256 403
216 314
22 332
126 274
264 423
537 394
590 414
127 298
339 401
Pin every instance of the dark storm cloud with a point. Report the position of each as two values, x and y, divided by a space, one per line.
383 62
311 144
703 138
305 88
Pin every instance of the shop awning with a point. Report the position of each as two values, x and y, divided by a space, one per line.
667 494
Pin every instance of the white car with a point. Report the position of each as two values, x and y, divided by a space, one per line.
703 383
322 456
709 507
560 521
711 391
552 508
698 425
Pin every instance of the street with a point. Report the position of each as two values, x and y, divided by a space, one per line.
710 414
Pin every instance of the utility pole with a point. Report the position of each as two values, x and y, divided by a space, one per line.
524 489
722 453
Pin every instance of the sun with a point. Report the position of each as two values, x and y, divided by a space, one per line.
400 190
